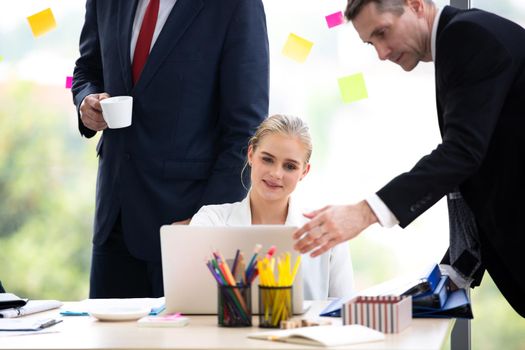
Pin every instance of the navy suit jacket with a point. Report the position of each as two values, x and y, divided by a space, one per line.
202 93
480 89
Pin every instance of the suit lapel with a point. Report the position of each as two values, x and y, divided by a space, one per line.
126 15
446 16
180 18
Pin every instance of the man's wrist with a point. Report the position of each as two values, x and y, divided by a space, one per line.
369 216
384 215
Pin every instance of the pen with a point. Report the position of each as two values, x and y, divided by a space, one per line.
251 264
74 313
49 323
241 269
157 310
271 252
235 262
214 273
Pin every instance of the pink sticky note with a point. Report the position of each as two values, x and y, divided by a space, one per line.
334 19
69 82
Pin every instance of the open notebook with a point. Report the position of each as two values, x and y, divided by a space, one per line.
322 335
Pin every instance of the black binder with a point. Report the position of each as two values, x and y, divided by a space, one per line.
8 301
435 298
456 306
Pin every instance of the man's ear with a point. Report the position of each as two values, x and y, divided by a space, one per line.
416 5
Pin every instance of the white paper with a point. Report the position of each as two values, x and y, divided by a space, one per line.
32 306
323 335
96 304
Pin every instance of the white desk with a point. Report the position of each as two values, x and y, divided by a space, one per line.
202 333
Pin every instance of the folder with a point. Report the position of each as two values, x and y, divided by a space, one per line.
27 324
401 286
435 298
456 306
334 308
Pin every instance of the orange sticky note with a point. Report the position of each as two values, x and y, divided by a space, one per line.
42 22
297 48
353 88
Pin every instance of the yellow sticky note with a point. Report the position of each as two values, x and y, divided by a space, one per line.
1 58
352 87
297 48
42 22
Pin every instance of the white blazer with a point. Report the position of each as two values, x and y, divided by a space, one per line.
329 275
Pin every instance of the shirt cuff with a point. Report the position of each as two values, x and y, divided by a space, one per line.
384 215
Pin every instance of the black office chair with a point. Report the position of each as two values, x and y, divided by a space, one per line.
2 290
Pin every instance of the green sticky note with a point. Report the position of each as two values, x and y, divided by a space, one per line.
42 22
297 48
1 58
352 88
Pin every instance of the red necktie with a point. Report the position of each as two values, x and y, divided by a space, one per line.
144 40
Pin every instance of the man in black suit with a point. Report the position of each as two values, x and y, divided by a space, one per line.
198 72
480 87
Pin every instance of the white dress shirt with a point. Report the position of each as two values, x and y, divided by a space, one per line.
329 275
165 7
383 213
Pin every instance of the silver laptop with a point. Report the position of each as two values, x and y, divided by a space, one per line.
189 286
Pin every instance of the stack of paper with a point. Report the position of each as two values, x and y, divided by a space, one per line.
32 306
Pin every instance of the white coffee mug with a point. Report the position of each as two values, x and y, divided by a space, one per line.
117 111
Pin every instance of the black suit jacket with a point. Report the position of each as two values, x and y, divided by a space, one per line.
202 93
480 88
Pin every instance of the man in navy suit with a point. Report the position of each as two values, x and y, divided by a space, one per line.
480 88
199 92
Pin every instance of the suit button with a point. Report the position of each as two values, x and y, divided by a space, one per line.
413 208
127 156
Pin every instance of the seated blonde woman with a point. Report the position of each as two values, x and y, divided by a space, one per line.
278 155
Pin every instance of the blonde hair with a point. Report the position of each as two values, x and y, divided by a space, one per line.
283 125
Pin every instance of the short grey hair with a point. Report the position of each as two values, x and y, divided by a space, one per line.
354 7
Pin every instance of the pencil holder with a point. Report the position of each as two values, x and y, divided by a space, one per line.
234 306
275 305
